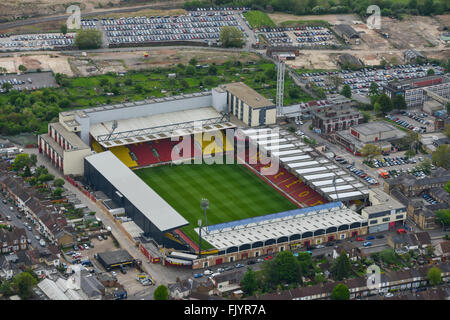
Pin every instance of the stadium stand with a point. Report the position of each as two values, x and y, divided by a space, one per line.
123 153
208 144
96 147
164 149
144 153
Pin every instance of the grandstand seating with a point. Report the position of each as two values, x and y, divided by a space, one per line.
208 144
143 153
164 149
123 153
290 184
96 146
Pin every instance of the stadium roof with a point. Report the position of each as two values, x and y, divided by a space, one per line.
274 226
159 126
310 167
147 201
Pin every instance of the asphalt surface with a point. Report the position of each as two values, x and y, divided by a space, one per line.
6 211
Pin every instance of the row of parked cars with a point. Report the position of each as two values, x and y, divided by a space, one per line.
359 81
406 124
429 199
417 117
393 161
362 174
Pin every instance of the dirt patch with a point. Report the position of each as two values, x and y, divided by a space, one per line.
46 62
314 60
413 32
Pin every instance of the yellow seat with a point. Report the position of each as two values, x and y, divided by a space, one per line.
123 154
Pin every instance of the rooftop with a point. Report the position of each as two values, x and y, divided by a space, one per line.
147 201
248 95
71 137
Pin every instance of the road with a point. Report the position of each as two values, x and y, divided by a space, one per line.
6 211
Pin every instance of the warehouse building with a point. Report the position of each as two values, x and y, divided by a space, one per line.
347 33
384 213
378 133
114 259
249 106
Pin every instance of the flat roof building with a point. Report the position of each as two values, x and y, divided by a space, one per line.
113 259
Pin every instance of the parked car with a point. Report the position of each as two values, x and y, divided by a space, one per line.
251 262
367 244
198 275
359 239
239 265
380 236
207 272
370 238
389 295
228 268
99 238
268 258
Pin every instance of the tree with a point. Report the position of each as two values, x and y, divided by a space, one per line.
20 161
23 284
410 153
443 217
33 160
441 157
447 187
388 256
399 102
283 269
373 89
425 166
88 39
212 69
7 86
45 177
370 151
377 108
63 28
341 266
58 192
27 172
306 263
346 91
430 72
190 70
22 68
249 283
59 182
335 80
340 292
385 103
161 293
411 140
193 62
434 276
318 278
231 37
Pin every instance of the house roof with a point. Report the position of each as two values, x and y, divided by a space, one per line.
445 247
248 95
347 30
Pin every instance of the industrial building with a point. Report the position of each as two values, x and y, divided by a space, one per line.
347 33
114 259
384 213
378 133
418 91
249 106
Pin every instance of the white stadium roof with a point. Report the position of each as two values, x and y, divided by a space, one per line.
147 201
141 129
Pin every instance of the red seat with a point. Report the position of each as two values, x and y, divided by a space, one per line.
143 154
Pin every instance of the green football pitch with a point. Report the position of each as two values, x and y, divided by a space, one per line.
233 191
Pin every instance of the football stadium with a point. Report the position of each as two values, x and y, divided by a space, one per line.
152 159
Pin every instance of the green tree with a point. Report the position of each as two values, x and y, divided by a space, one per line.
23 284
59 182
88 39
385 103
212 69
346 91
370 151
373 89
306 263
430 72
335 80
447 187
7 86
341 267
22 68
388 256
190 70
399 102
58 192
20 161
340 292
318 278
193 62
441 157
161 293
443 217
425 166
27 172
411 140
434 276
45 177
63 29
231 37
249 282
410 153
284 269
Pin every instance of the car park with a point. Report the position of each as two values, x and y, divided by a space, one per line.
239 265
367 244
228 268
220 270
207 272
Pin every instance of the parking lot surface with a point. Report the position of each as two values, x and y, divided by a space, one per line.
31 42
359 81
28 81
302 37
